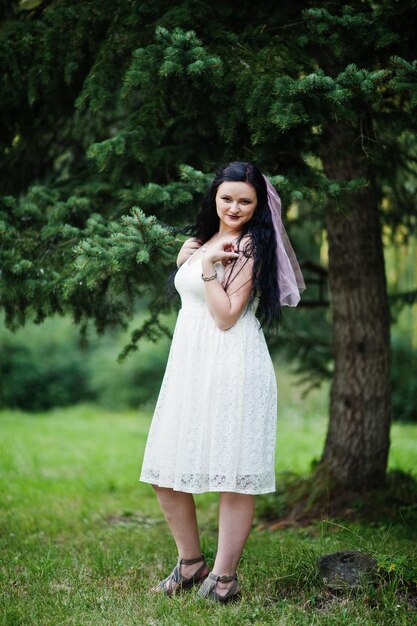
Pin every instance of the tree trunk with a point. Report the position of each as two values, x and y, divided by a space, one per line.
357 444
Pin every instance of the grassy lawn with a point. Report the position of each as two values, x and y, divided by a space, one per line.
82 540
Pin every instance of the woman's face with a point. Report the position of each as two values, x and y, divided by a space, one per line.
235 204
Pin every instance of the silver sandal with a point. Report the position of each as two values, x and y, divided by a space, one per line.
207 588
176 577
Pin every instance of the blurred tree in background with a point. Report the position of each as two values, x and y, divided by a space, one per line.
49 365
40 368
110 106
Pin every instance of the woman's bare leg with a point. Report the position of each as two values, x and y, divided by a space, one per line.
236 511
180 514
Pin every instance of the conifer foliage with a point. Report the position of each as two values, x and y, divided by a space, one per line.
80 144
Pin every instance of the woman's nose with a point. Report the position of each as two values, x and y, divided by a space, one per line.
234 207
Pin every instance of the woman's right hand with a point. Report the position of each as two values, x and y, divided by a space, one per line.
188 248
225 250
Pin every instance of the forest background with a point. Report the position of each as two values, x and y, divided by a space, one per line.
114 118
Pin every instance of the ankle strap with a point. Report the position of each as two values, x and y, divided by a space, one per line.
222 579
191 561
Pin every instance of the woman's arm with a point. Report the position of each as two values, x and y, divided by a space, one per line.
187 249
227 306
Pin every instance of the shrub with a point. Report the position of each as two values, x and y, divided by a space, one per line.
404 380
42 367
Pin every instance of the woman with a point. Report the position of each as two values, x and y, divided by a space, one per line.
214 426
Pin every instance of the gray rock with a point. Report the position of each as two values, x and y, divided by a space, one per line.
340 570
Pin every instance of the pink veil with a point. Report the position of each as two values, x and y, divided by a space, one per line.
290 278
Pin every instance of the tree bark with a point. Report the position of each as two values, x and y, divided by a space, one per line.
357 444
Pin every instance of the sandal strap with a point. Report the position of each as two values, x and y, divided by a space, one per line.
191 561
207 589
176 576
222 579
232 590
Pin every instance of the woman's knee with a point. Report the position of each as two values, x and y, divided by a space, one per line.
239 497
159 489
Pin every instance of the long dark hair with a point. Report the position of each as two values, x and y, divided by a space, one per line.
260 245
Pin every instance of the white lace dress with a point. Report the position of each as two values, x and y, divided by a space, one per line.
214 425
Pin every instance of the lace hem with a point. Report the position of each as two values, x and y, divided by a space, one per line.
202 483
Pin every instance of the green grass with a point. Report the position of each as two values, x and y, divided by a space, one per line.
82 540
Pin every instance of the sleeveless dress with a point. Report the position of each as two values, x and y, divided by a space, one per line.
214 425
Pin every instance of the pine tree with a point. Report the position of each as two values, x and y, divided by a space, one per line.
110 106
346 104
